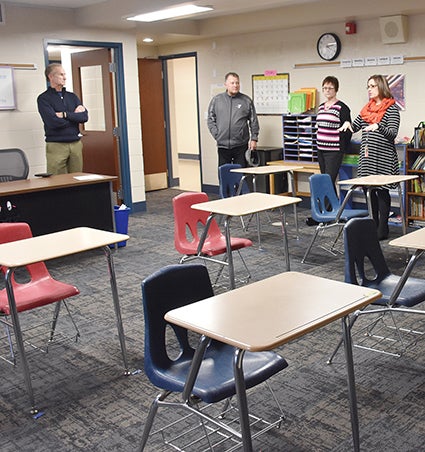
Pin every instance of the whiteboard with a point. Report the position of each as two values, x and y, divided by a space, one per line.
270 93
7 89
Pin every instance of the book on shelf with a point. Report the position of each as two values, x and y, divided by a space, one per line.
419 163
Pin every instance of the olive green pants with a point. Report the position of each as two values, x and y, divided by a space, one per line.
63 158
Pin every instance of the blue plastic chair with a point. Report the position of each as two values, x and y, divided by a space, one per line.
172 287
325 210
229 182
365 265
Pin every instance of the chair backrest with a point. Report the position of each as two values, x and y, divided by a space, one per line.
364 262
13 165
189 222
229 182
169 288
323 199
11 232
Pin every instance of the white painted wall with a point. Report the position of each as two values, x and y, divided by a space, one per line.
253 53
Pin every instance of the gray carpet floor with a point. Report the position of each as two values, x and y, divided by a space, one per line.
89 405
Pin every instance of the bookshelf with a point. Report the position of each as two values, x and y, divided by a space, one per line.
415 193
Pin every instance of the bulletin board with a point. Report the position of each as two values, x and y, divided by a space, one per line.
270 93
7 89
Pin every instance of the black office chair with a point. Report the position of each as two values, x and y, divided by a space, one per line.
167 362
365 266
13 165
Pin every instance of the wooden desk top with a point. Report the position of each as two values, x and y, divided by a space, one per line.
377 180
299 167
56 244
53 182
415 239
268 313
245 204
268 169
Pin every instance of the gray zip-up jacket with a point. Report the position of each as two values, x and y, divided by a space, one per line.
232 120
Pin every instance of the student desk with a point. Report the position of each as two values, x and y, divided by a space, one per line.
301 167
374 181
415 240
55 203
51 246
247 204
269 313
268 170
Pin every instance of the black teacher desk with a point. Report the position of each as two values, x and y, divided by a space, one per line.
55 203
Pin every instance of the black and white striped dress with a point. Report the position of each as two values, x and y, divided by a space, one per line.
378 154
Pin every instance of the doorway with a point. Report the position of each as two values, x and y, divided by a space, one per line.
181 85
95 73
170 122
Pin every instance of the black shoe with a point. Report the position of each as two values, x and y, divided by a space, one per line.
310 222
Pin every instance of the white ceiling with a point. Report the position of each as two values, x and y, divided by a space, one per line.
229 16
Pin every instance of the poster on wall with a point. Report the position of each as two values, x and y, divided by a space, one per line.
7 89
270 93
396 84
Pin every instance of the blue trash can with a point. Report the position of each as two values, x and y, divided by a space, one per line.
121 222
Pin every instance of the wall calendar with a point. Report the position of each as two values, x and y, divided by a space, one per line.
270 93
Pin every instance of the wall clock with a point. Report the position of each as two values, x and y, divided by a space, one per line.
328 46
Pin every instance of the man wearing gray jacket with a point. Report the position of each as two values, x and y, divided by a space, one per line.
233 122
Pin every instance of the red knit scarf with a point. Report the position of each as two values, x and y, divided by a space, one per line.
373 113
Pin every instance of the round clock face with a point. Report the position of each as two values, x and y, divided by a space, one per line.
328 46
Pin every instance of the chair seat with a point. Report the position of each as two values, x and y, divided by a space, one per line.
215 381
412 293
37 293
347 214
218 246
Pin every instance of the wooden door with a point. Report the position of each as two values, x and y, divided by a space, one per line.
153 123
93 83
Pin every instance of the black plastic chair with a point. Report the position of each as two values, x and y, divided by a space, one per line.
365 265
13 165
325 210
172 287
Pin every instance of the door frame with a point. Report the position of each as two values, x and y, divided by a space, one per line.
174 181
118 60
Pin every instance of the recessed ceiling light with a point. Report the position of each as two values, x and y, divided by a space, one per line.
147 40
178 11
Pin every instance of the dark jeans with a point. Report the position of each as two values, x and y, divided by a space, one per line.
233 155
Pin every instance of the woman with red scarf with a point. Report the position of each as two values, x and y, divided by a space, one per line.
379 121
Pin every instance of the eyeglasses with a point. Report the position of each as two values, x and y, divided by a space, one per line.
328 88
371 86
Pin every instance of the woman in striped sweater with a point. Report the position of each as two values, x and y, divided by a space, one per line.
331 143
379 121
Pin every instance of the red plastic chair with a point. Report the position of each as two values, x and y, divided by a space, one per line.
188 227
40 290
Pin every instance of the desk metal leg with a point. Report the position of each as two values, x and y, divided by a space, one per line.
291 174
229 253
257 215
369 200
242 400
285 238
403 278
117 307
19 338
346 332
